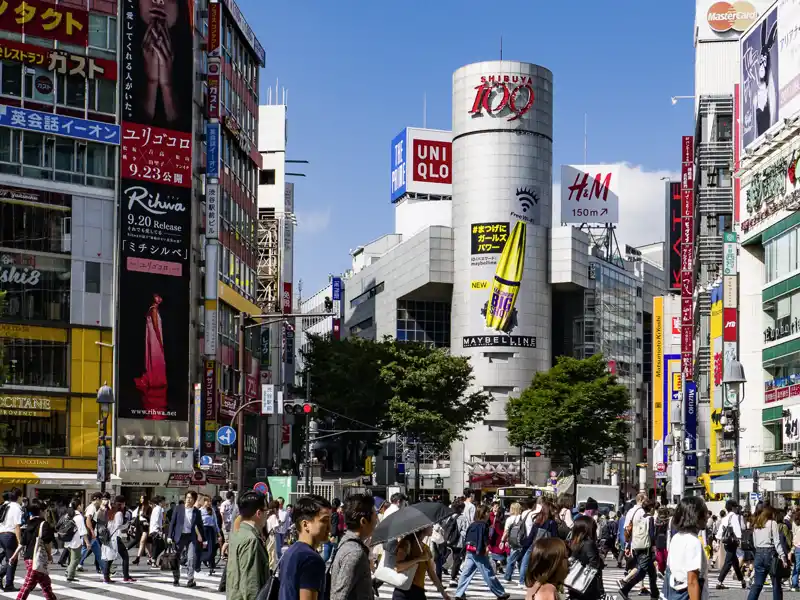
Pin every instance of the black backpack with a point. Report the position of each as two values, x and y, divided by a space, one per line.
517 534
3 512
748 545
452 536
65 528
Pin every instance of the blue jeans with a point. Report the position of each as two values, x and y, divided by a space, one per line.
762 567
278 545
472 564
513 558
327 550
8 542
95 549
796 570
523 565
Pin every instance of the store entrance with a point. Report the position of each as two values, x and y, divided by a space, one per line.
58 495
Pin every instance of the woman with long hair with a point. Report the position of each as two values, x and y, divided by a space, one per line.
547 569
414 556
139 528
37 539
476 544
112 518
515 550
543 525
583 547
270 529
796 549
687 564
767 542
497 549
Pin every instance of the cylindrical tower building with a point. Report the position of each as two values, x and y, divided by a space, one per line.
502 188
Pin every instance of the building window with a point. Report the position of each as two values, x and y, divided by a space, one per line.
638 291
358 328
370 293
11 79
35 227
424 321
724 128
92 279
266 177
103 96
36 363
37 287
102 32
32 425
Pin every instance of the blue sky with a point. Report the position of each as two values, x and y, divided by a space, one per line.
357 71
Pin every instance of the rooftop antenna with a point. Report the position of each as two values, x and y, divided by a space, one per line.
276 91
425 110
585 136
501 47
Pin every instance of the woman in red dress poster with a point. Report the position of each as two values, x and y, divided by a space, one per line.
153 382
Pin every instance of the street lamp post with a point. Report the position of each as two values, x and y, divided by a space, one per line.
105 400
733 383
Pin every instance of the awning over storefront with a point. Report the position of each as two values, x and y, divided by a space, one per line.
747 472
66 479
17 477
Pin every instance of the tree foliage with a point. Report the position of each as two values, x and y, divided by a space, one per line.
394 386
575 410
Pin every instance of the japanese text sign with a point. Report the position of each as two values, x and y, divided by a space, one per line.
48 123
212 150
62 63
154 154
40 19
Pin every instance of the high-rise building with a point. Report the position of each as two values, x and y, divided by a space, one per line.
106 179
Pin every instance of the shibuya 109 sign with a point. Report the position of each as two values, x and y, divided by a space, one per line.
510 96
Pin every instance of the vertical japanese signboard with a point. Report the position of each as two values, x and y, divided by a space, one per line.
155 210
687 253
675 231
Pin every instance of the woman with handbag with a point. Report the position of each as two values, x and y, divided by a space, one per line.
110 536
686 574
586 566
415 561
211 533
770 556
37 538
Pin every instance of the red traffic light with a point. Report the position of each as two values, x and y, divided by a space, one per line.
537 454
307 408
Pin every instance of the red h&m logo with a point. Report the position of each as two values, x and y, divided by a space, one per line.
599 187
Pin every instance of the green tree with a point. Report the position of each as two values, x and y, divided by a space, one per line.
575 411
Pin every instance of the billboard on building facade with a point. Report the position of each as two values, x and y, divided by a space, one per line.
674 230
716 370
760 85
421 163
658 380
717 21
40 19
152 349
590 193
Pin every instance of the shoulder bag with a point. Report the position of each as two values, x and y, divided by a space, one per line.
580 577
39 561
393 577
777 569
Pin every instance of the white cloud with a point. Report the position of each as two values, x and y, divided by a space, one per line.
313 221
642 210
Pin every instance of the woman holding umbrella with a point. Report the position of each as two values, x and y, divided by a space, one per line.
410 556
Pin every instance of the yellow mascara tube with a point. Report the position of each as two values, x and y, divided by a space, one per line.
507 278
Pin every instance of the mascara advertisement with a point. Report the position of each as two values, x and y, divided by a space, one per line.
499 254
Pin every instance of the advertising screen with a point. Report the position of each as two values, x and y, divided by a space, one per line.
760 87
155 216
589 194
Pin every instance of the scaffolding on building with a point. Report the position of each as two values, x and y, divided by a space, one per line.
268 275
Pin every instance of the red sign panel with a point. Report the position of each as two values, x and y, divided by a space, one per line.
286 299
718 368
687 203
674 235
687 310
687 337
687 149
687 176
286 434
770 396
155 154
687 285
782 394
687 234
209 404
730 329
676 325
687 365
337 329
214 22
687 256
44 20
214 86
251 387
432 161
59 62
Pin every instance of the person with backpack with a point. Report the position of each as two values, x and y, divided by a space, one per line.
74 534
455 530
640 539
511 536
476 544
248 565
37 540
350 572
730 534
11 534
542 526
662 531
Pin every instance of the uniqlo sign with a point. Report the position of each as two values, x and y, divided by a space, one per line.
432 161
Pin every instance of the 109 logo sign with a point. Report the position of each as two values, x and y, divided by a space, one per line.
500 95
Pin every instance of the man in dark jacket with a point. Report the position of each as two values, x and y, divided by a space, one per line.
186 530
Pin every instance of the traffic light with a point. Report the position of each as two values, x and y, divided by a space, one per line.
300 408
537 454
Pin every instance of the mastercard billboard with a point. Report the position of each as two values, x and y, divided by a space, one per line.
721 21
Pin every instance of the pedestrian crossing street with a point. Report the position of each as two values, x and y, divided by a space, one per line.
157 585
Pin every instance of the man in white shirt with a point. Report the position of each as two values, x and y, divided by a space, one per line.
730 528
11 535
80 539
397 500
283 527
469 504
228 510
156 529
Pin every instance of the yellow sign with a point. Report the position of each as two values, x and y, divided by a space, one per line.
232 298
30 332
26 462
658 369
676 382
18 403
480 285
368 466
